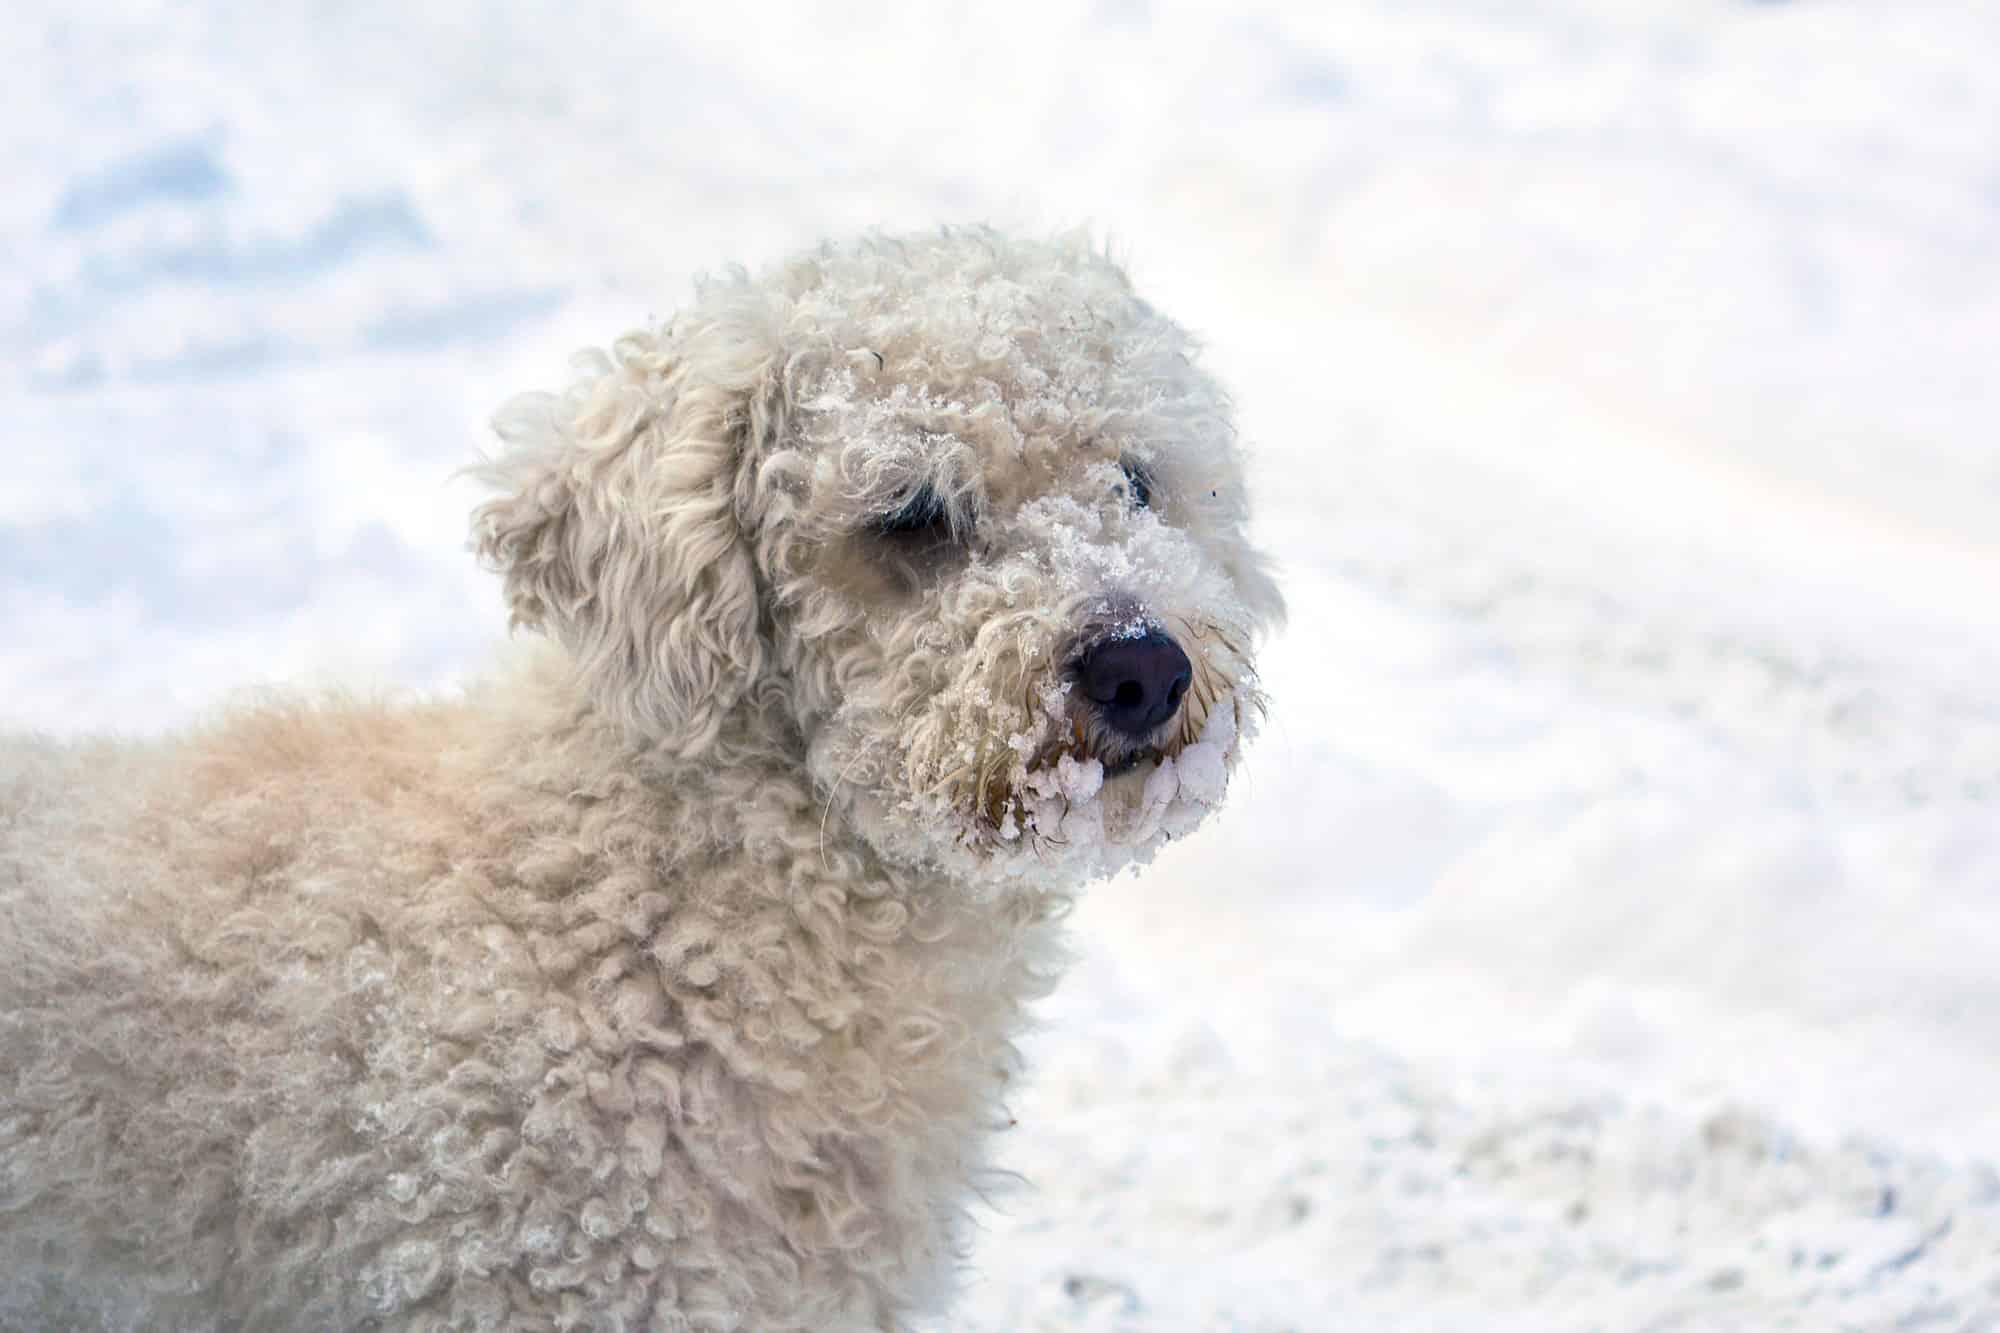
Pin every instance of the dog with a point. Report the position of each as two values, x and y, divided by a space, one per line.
666 979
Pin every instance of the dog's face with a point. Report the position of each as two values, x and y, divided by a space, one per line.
962 511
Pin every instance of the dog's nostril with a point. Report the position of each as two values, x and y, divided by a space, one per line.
1136 683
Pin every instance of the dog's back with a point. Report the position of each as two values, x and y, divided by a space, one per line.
183 931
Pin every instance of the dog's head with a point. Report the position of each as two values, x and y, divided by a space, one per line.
959 514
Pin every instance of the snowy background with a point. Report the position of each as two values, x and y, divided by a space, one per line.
1606 934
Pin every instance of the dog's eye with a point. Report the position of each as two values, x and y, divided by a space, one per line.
923 513
1140 482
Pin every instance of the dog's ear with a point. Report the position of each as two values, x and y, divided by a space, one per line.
616 532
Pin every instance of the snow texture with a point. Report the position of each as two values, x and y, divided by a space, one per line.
1601 935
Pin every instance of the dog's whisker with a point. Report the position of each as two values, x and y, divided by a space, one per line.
985 777
951 779
827 812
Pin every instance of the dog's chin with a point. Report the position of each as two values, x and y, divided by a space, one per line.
1081 813
1129 763
1054 809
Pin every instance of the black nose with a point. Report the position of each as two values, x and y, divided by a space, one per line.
1136 683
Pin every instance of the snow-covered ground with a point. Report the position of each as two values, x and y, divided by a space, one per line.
1606 934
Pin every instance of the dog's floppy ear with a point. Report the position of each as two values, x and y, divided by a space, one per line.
616 532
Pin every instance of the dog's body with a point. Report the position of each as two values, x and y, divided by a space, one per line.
667 980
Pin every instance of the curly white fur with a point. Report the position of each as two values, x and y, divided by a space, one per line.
667 980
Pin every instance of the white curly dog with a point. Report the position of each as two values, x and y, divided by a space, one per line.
667 980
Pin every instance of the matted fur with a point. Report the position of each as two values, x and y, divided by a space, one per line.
666 980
